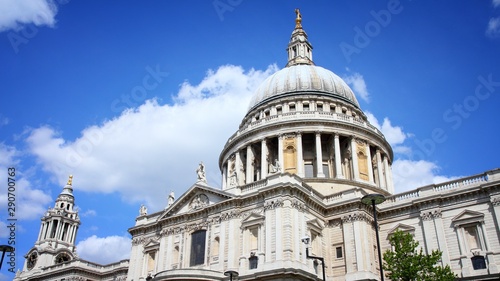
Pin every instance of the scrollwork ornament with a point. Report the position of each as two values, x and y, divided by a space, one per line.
495 201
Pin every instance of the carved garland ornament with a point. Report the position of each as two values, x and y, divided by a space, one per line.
273 204
429 215
355 217
495 201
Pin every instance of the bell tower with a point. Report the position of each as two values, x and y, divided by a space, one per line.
57 235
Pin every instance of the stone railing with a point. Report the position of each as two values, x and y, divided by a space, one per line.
88 265
298 115
253 186
432 189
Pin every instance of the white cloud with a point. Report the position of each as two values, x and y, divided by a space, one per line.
104 250
153 147
408 174
493 29
88 213
15 13
30 203
393 134
496 3
357 82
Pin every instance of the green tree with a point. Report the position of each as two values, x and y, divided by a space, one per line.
405 262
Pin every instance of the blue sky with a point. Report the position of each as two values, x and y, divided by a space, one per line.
129 97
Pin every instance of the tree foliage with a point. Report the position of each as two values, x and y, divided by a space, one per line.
405 262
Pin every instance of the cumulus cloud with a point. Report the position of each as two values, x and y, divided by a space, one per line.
31 202
358 85
493 29
407 174
104 250
153 147
16 13
394 134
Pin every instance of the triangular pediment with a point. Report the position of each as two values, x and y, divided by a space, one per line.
197 198
402 227
252 219
151 244
315 224
467 216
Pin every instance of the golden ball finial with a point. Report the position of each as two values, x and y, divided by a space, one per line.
70 180
298 20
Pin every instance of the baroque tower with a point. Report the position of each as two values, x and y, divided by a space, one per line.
57 235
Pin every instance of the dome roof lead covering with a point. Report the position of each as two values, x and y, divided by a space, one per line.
303 79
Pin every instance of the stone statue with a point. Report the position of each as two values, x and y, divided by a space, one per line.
201 173
276 168
298 20
143 210
171 198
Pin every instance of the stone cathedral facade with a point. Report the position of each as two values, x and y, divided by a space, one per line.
298 165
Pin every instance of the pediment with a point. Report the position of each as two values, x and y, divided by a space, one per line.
197 198
151 244
468 216
316 225
402 227
252 219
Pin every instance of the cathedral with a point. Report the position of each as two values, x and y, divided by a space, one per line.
307 194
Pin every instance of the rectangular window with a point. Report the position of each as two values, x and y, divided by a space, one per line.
198 247
339 252
306 107
279 110
326 170
319 107
253 262
309 170
478 262
292 107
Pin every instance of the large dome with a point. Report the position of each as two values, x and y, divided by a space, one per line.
301 79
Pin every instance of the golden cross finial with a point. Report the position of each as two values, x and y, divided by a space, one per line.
298 20
70 180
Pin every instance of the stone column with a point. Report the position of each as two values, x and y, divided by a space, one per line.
224 176
381 178
319 157
263 159
300 159
249 170
354 155
280 153
237 167
433 227
41 231
338 158
388 176
369 164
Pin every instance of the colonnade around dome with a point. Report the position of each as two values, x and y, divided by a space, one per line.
323 138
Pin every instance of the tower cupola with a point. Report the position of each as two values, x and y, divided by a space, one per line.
299 49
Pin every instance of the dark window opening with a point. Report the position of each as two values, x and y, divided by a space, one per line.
339 252
198 247
478 262
253 262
